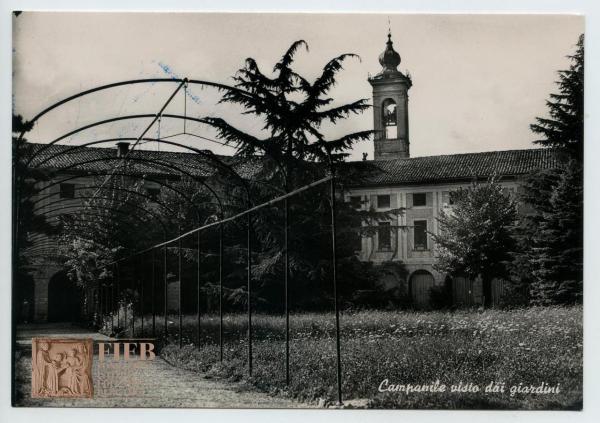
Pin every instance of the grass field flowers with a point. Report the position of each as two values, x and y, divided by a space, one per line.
510 347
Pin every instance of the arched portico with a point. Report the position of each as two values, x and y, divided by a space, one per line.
64 299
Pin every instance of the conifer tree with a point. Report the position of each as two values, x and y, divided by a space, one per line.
550 254
557 243
563 129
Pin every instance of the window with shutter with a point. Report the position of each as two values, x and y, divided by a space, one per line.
420 234
383 201
373 202
356 202
384 235
445 199
419 199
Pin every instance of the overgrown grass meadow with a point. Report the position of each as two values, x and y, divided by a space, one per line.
527 346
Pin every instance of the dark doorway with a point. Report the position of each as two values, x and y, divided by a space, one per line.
421 283
64 299
24 297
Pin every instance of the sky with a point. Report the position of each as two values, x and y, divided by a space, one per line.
479 80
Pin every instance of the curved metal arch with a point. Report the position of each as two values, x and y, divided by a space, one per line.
53 238
79 224
143 160
140 116
50 244
41 210
157 181
79 212
210 156
132 82
123 222
160 203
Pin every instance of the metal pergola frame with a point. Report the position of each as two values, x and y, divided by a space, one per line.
222 219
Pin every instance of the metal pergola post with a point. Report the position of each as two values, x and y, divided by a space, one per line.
142 283
335 292
221 292
249 287
99 310
153 292
166 288
112 303
133 290
179 300
118 296
286 290
198 289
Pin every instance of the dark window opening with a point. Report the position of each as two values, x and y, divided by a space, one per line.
449 198
452 197
356 202
67 190
383 201
390 119
153 193
420 236
419 199
355 242
385 236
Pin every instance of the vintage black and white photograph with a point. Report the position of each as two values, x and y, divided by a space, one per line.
298 210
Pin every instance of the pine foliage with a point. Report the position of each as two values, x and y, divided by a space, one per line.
563 129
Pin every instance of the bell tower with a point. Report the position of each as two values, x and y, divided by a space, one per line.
390 107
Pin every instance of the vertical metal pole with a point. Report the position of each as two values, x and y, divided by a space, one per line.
126 306
100 302
198 288
335 293
180 291
142 282
166 330
249 288
118 296
133 289
112 303
286 291
221 292
153 292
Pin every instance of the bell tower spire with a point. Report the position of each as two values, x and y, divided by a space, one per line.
390 106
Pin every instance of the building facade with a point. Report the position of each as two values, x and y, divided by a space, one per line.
421 188
418 190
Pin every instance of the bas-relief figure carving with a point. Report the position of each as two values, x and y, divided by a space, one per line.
61 368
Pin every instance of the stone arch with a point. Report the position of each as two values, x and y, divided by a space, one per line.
420 283
64 299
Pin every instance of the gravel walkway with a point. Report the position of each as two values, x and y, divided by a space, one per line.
153 383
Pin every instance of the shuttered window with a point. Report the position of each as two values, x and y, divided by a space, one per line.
419 199
383 201
356 202
384 236
420 234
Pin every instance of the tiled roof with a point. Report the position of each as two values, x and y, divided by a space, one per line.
417 170
163 163
454 167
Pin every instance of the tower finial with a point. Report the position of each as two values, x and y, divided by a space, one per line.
389 59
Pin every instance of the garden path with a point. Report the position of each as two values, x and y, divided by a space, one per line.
153 383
